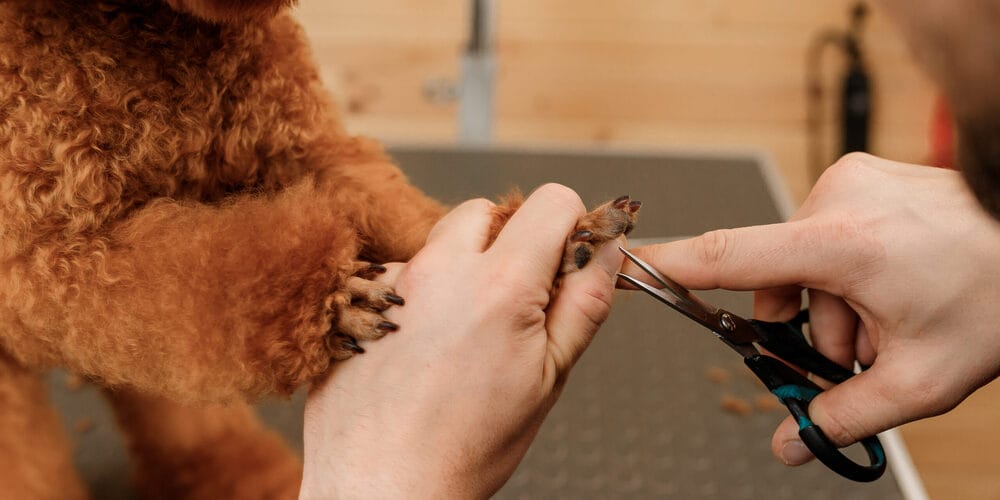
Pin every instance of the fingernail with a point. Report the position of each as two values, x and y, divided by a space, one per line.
794 452
388 326
395 299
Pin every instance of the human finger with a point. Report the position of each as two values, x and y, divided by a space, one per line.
790 450
535 236
751 258
777 304
859 407
581 306
863 346
832 327
465 228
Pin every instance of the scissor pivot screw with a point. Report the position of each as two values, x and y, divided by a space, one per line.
727 322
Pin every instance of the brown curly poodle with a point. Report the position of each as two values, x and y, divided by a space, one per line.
183 219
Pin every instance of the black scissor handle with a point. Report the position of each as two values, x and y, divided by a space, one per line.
786 340
795 392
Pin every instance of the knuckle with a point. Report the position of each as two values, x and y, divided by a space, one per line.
924 395
849 423
595 305
855 236
852 163
849 167
713 247
848 428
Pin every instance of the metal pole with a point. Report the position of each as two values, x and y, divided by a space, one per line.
475 97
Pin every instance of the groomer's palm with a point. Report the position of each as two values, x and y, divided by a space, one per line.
448 405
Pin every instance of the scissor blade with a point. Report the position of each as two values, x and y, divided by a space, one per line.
650 270
699 314
685 301
740 338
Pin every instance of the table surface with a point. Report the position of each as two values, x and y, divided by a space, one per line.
640 417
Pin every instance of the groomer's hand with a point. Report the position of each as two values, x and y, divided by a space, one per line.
447 406
902 268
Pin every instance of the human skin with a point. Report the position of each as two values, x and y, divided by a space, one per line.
901 266
447 406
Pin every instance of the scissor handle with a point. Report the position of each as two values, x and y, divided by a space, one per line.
786 340
796 392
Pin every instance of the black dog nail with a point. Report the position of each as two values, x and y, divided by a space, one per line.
388 326
349 344
634 206
377 268
395 299
582 235
621 201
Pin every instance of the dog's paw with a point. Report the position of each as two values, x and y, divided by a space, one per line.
603 224
357 310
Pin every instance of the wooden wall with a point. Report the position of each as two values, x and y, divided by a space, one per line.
699 74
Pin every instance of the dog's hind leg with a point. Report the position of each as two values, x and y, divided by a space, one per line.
35 455
207 451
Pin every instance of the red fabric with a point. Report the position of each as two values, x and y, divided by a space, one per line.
942 136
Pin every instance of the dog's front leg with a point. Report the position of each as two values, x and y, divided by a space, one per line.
197 302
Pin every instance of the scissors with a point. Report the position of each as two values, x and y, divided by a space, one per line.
785 339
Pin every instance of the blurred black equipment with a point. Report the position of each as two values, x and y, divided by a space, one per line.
856 99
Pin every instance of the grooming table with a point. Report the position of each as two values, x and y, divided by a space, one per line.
640 416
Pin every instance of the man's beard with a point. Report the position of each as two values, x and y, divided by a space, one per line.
979 157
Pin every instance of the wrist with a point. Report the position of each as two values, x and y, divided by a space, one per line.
351 463
379 479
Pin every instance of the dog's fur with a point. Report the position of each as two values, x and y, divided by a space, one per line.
181 213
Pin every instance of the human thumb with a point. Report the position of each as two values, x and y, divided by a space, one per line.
860 407
582 304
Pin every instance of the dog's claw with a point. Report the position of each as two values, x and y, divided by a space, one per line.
603 224
358 306
350 343
582 235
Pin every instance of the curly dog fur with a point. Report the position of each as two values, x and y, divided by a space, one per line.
179 199
179 205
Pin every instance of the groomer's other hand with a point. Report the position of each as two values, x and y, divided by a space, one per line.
448 405
902 268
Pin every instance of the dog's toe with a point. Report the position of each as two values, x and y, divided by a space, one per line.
358 308
603 224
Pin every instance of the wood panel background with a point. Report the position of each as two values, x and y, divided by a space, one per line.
644 73
704 74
